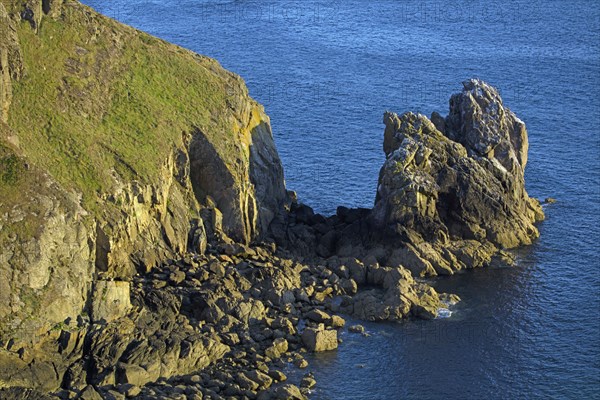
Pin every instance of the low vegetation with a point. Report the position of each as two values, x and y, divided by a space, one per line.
100 100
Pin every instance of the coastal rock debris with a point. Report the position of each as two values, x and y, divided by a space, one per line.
450 196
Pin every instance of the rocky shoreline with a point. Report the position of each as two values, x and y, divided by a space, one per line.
204 278
225 323
219 325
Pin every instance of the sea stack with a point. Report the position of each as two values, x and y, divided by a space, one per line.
451 193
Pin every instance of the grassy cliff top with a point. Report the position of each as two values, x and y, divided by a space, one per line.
100 100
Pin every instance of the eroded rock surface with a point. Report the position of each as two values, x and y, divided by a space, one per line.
11 60
455 198
451 195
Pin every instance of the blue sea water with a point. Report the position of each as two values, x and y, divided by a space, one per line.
327 70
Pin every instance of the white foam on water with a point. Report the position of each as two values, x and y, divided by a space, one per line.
443 313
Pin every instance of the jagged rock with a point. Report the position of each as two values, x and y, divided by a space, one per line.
373 305
266 174
358 271
132 390
246 383
349 286
279 347
301 363
262 380
454 198
356 329
33 372
198 237
318 316
176 277
428 305
89 393
320 339
396 297
23 394
250 312
250 196
133 374
337 321
308 381
285 325
277 375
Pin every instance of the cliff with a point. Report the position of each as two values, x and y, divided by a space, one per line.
118 151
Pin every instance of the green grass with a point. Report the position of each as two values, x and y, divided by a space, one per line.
10 167
17 184
99 97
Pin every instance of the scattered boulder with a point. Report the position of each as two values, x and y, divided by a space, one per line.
263 380
89 393
277 375
358 271
300 362
176 277
279 347
308 381
283 392
356 329
337 321
320 339
318 316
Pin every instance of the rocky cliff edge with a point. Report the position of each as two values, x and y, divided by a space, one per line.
118 151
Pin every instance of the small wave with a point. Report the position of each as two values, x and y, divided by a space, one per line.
443 313
449 303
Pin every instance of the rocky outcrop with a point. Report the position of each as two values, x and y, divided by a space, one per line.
232 193
266 174
46 261
246 182
75 234
395 295
11 61
453 193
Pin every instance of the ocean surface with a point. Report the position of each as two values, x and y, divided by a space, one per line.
327 70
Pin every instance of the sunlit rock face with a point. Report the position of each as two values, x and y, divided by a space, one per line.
454 191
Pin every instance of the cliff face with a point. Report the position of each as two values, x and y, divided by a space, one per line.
118 151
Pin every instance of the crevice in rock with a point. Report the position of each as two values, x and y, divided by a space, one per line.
46 6
102 250
208 172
